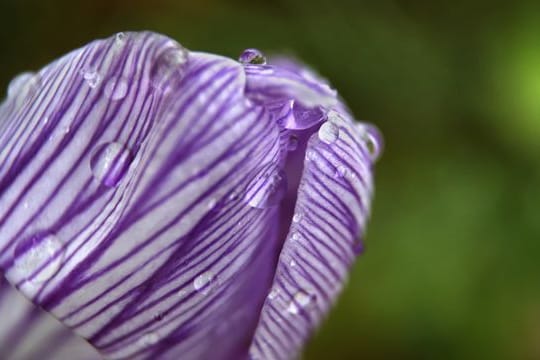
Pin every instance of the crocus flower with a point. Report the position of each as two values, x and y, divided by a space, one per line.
167 204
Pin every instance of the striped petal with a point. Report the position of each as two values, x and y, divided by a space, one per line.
123 204
164 203
324 238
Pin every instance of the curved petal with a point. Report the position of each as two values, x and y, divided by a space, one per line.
29 333
324 238
267 83
123 200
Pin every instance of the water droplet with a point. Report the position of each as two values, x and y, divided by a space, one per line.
181 293
233 196
212 203
293 143
273 294
292 263
42 253
91 76
341 171
116 88
158 317
110 162
328 132
252 57
149 339
169 65
297 217
301 300
120 38
24 84
373 140
268 187
204 283
295 236
311 155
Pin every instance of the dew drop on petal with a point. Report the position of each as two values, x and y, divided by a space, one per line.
297 217
273 294
149 339
39 257
252 57
341 171
120 38
116 89
295 236
268 187
301 300
110 162
91 76
373 140
204 283
293 143
169 65
328 132
25 85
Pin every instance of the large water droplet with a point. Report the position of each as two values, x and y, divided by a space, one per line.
328 132
301 300
116 88
24 85
110 162
91 76
268 187
39 257
169 65
204 283
253 57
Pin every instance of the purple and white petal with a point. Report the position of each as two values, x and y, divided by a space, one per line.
324 238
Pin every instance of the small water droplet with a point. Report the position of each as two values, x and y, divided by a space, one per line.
120 38
311 155
91 76
158 317
293 143
110 162
341 171
169 65
292 263
149 339
212 204
295 236
252 57
25 84
233 196
328 132
273 294
116 89
181 293
42 253
268 187
301 300
297 217
204 283
373 140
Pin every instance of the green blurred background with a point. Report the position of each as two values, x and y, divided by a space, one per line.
452 263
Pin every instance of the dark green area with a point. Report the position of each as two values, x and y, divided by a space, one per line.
452 263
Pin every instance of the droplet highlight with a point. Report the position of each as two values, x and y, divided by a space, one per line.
91 76
252 57
301 300
328 132
204 283
268 187
116 89
110 162
39 257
